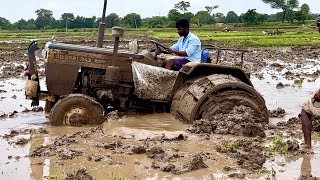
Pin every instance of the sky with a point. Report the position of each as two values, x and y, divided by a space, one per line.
14 10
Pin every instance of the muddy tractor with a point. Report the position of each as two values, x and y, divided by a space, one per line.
85 83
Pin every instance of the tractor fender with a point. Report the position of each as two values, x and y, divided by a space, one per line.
206 69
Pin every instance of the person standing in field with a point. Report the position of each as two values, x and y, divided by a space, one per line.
188 47
310 111
318 22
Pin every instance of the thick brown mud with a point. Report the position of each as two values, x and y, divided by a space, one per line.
156 146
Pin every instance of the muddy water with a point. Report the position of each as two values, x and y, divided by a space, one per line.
15 162
291 98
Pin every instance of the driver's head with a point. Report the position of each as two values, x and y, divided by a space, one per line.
182 26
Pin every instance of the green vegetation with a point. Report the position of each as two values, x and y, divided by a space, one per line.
280 145
230 146
237 37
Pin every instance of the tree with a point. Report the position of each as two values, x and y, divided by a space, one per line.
84 22
287 6
188 16
31 24
275 17
155 22
132 20
202 17
303 13
67 17
251 17
112 20
4 23
305 9
44 18
174 15
232 17
211 8
261 18
90 22
21 24
219 17
183 6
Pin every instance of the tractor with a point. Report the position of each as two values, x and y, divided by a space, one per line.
85 83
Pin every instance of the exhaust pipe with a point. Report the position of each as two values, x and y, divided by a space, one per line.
102 26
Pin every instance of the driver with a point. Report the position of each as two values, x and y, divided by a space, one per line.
188 47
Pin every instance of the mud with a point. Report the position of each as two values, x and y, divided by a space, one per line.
277 113
240 122
237 175
146 148
195 164
81 174
249 154
22 141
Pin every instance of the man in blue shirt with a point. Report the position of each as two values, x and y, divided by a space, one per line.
188 47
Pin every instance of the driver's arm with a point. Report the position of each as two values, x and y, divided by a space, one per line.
175 47
179 53
175 50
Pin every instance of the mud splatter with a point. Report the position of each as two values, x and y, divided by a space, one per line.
44 151
240 121
237 175
81 174
22 141
69 154
278 113
247 154
195 164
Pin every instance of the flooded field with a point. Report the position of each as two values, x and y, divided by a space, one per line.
156 146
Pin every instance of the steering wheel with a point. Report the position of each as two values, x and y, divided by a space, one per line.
159 47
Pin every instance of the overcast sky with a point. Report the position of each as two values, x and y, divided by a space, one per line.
14 10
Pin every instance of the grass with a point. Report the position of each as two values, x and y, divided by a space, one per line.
238 37
279 145
118 177
230 146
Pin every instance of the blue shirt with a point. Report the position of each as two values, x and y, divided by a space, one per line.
191 45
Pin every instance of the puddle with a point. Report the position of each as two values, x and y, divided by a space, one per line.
290 98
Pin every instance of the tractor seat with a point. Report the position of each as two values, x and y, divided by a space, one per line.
205 56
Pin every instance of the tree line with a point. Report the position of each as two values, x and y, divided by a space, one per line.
290 11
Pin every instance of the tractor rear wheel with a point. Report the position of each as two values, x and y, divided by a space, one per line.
75 110
204 97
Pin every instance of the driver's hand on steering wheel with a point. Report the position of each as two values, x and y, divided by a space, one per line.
170 50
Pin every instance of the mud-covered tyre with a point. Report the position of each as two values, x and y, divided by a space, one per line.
204 97
76 110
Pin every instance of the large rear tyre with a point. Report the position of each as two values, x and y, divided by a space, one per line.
76 110
204 97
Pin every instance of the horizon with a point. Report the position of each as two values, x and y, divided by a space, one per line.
80 8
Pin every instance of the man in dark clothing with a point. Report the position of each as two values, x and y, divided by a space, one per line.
318 22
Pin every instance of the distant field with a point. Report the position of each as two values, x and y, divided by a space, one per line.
237 37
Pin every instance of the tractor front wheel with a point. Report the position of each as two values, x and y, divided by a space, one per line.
76 110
